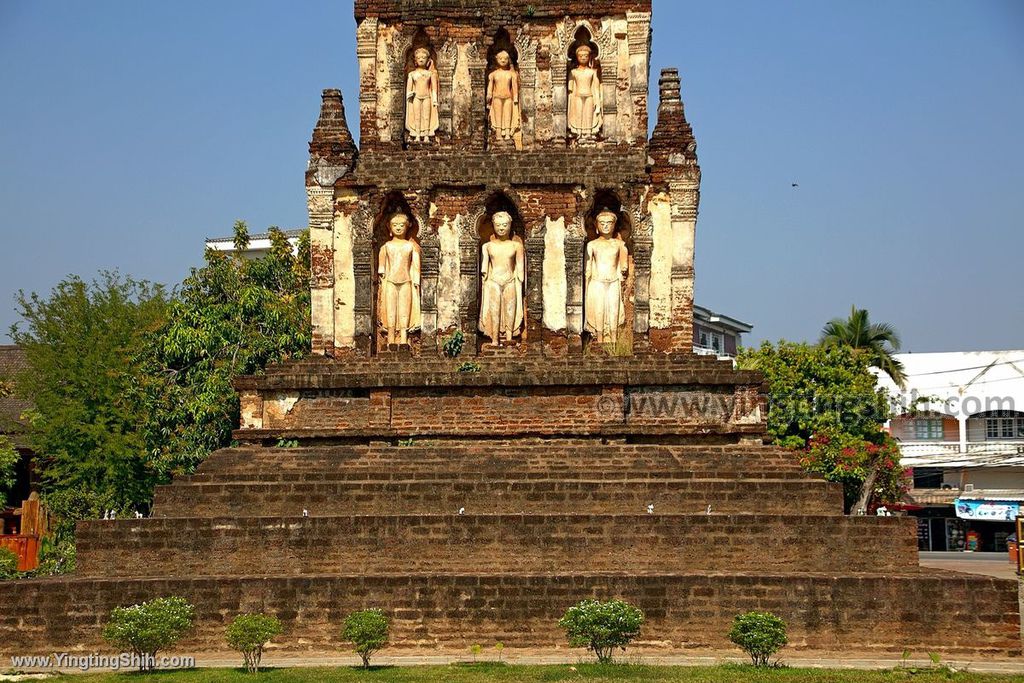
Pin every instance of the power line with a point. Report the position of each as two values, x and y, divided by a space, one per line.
973 367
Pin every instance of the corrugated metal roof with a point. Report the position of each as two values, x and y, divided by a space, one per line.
947 496
1009 495
295 232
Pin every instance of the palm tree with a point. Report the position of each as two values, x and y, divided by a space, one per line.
878 342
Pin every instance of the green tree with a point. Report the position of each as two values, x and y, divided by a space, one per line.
8 564
249 634
149 627
9 456
877 342
602 626
82 344
233 316
760 634
9 459
824 402
368 631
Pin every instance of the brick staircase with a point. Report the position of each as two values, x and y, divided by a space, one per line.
466 539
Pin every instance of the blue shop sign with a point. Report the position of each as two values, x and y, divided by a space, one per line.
986 510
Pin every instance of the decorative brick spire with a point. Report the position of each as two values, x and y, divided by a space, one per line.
672 143
332 151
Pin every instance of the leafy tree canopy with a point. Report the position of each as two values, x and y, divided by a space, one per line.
814 388
825 402
233 316
130 383
82 346
877 343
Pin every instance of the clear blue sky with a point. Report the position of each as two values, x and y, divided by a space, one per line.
130 131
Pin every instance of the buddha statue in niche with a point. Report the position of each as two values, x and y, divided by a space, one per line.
503 97
398 264
585 107
421 118
503 267
607 262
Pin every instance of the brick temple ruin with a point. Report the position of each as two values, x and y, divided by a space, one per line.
505 188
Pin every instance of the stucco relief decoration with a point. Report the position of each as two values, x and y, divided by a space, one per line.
503 272
607 263
421 91
399 268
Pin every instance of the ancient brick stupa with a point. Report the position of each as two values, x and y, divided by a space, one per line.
503 414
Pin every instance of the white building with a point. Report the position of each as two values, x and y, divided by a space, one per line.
961 431
259 243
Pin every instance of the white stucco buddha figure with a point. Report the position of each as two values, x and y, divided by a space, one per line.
607 263
421 117
503 269
398 264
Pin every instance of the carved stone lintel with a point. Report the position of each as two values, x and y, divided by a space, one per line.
366 38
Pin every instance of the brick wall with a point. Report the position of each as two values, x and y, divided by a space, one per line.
289 498
448 542
873 613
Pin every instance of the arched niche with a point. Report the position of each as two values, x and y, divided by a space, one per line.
495 203
501 40
503 122
584 114
609 200
582 37
391 203
420 42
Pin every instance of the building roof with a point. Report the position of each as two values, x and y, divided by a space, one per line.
12 362
993 454
701 314
294 233
1009 495
961 383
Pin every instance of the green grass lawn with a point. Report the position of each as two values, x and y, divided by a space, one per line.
479 673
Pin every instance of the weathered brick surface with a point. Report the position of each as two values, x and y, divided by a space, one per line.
508 397
537 171
495 13
923 611
497 497
449 542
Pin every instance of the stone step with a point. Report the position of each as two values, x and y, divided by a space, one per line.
469 473
879 613
495 543
524 457
768 496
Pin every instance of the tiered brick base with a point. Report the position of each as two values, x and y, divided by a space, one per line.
473 539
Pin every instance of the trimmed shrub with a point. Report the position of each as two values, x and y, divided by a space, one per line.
249 634
147 628
8 564
602 626
368 631
760 634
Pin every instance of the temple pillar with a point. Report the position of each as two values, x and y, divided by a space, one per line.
320 204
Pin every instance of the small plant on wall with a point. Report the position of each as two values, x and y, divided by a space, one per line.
453 343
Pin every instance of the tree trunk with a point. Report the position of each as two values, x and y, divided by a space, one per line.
866 489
